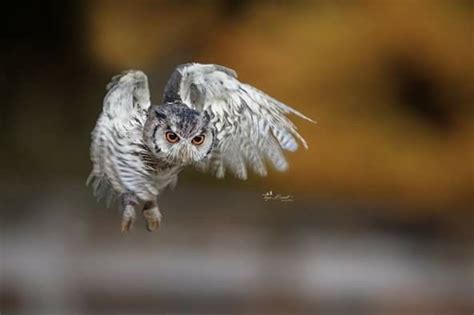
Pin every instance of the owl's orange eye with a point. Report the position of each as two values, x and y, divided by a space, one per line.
171 137
198 140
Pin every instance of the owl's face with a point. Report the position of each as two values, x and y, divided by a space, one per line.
178 134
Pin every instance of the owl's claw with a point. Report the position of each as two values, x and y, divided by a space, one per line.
128 217
152 216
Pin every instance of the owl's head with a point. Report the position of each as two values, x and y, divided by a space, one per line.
178 134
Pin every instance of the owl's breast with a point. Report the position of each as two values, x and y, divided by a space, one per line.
165 177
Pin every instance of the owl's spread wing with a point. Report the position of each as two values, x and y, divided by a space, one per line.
250 126
118 154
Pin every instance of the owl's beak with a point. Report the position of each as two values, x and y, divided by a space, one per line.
186 157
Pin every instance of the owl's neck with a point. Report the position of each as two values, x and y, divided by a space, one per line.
157 164
164 165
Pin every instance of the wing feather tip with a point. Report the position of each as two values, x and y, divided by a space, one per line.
127 75
305 117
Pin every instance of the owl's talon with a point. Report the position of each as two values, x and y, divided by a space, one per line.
153 218
127 224
128 217
152 225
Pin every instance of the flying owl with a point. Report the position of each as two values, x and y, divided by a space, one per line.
207 118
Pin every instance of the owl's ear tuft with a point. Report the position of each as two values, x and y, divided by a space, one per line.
207 117
160 115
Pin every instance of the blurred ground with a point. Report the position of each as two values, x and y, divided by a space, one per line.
382 221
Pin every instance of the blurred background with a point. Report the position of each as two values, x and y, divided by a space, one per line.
382 217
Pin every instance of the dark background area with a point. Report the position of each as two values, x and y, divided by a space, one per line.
382 219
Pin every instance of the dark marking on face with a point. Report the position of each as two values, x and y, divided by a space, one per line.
157 149
214 141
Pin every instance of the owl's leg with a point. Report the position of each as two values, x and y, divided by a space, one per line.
128 205
152 215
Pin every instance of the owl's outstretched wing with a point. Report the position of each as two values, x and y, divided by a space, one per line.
117 151
250 126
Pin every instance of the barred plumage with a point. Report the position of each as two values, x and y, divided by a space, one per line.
118 152
207 118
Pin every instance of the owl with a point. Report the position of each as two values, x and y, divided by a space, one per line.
207 119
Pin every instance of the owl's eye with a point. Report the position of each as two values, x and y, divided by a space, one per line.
198 140
171 137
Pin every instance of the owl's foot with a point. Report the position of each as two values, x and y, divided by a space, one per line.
129 202
128 217
152 215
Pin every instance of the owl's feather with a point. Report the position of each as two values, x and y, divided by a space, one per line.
118 153
250 126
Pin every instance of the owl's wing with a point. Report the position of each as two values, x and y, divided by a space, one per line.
250 126
117 151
